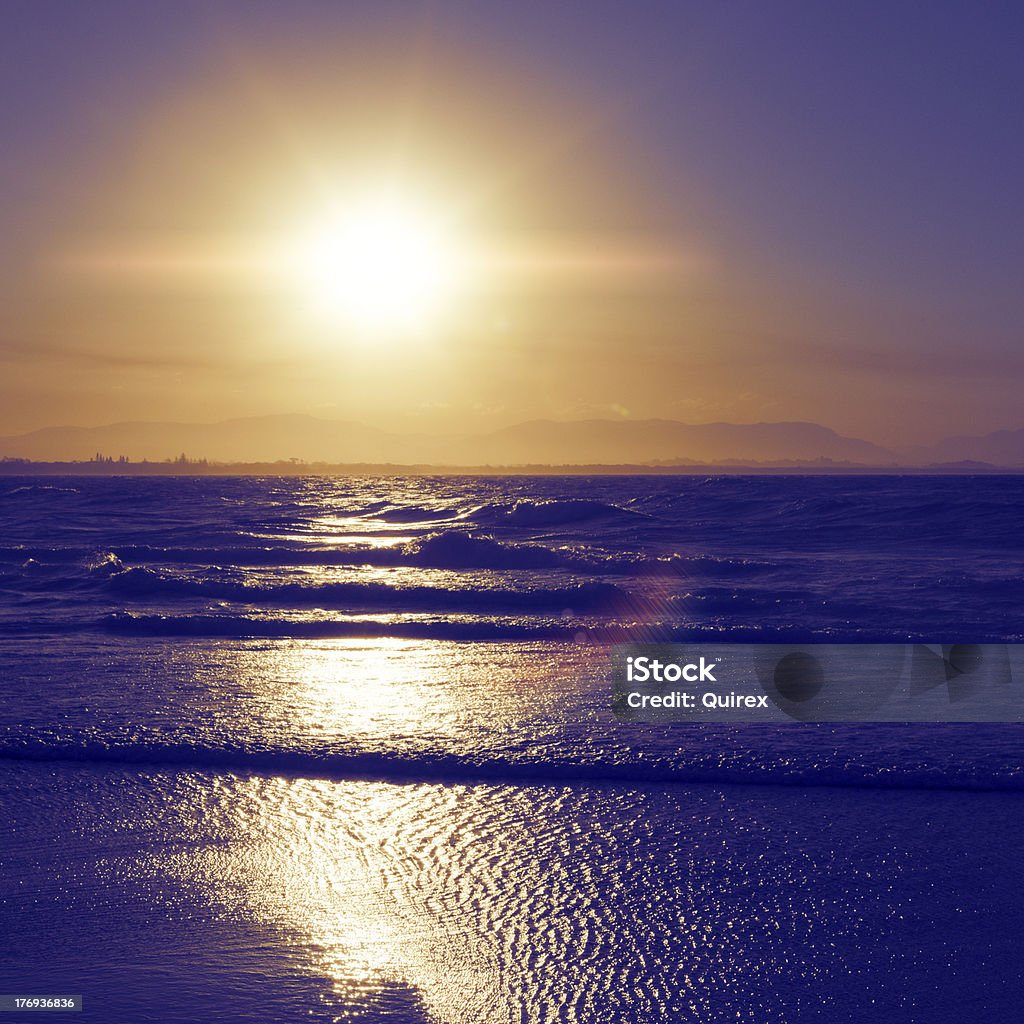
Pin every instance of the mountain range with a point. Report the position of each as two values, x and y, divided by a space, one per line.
581 442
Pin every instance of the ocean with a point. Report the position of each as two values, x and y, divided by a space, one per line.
341 749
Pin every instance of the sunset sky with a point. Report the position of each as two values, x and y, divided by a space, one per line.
457 216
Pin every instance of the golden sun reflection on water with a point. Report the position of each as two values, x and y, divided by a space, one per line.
384 686
358 878
402 696
483 904
362 538
476 903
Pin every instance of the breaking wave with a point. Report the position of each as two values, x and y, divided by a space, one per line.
460 770
586 597
244 626
557 512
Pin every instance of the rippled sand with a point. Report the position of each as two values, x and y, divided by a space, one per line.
193 896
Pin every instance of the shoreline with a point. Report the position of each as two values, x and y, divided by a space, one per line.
14 468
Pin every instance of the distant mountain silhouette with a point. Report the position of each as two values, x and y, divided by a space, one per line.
583 442
623 441
1001 448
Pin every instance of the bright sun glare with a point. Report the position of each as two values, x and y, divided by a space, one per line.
382 264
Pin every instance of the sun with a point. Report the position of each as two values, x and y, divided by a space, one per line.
383 263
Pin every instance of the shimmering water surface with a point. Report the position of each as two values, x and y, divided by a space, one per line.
274 750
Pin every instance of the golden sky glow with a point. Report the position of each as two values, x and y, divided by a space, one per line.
320 266
462 229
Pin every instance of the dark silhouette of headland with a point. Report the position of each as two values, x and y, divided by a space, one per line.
291 445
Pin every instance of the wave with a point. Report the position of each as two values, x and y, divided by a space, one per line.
458 550
38 489
445 550
441 550
585 597
556 512
452 769
105 565
413 514
453 549
467 627
242 627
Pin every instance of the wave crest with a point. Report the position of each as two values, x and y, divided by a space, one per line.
430 767
591 596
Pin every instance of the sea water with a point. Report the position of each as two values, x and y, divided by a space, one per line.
342 749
